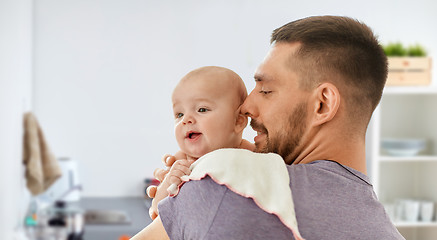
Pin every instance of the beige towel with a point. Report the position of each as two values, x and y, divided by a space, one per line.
262 177
42 168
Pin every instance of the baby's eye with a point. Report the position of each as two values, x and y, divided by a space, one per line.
179 115
203 110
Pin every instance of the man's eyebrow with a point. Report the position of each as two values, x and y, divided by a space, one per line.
258 78
261 78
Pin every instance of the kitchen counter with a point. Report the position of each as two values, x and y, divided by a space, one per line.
136 208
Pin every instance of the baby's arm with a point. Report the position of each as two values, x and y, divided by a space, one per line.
180 168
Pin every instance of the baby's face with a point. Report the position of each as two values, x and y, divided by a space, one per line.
205 112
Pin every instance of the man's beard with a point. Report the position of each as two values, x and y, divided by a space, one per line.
285 142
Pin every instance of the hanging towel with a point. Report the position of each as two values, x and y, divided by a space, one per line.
42 168
260 176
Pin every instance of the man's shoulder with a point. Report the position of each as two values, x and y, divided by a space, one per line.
205 187
193 209
331 192
328 170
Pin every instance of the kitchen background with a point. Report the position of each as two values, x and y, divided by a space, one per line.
98 74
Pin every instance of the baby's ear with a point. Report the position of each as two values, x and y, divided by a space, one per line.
240 123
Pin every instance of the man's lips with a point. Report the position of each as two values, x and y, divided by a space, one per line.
261 131
259 136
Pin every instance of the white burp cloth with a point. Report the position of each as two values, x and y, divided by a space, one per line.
260 176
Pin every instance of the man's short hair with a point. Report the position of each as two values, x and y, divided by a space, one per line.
334 49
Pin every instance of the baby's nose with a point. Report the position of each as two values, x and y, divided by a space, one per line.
188 119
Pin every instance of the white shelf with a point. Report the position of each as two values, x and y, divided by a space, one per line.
406 112
415 224
399 90
419 158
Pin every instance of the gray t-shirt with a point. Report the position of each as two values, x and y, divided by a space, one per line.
331 202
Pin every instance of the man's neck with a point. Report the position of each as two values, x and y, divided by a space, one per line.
348 152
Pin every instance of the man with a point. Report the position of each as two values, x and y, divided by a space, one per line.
315 93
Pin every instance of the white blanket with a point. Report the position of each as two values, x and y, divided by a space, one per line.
262 177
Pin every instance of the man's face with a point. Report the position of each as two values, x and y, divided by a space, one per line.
277 105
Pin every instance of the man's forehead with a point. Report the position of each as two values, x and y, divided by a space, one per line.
266 71
282 51
277 66
276 58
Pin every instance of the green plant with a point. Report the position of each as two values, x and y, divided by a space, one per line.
416 51
398 50
395 49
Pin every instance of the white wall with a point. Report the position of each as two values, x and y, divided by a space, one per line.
105 69
15 98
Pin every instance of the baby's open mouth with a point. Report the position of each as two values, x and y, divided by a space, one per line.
193 135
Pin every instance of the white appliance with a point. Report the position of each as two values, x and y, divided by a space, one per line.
68 186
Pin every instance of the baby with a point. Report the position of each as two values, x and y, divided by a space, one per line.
206 106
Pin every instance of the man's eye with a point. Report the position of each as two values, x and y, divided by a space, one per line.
179 115
202 110
265 92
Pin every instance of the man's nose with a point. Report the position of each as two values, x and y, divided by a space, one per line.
248 108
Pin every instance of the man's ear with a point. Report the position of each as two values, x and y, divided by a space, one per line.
326 103
241 122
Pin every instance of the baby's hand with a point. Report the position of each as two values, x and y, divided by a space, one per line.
179 169
167 177
160 173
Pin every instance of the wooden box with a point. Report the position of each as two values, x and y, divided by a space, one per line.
409 71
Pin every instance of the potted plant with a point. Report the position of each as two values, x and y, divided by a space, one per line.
407 66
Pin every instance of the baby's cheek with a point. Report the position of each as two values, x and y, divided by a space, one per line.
181 144
204 149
